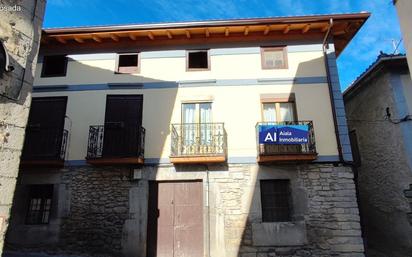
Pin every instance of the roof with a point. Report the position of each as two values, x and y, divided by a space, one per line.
344 28
382 60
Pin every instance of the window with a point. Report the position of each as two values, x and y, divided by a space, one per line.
197 60
276 200
274 58
192 115
279 111
54 66
40 201
127 63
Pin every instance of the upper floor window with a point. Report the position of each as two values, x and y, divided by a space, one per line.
127 63
274 58
54 66
276 200
40 202
279 111
198 60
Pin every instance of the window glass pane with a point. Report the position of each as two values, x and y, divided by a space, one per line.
205 120
198 60
39 204
287 112
273 59
275 200
189 113
126 60
54 66
269 112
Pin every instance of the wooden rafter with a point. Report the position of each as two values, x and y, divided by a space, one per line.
227 31
306 28
78 40
266 31
169 35
246 32
96 38
61 40
324 28
132 36
114 37
187 34
286 29
207 32
150 35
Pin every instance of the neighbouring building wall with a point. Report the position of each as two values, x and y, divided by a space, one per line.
404 8
384 173
20 28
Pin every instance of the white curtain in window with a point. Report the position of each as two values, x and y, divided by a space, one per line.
205 120
269 112
286 112
189 129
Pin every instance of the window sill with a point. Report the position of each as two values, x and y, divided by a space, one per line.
279 233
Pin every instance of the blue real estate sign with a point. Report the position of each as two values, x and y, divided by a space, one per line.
283 134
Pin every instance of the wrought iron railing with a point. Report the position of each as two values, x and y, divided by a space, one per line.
198 139
45 143
115 141
269 149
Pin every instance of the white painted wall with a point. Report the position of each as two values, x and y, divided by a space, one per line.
404 8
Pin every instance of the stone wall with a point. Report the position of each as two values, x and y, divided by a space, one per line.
102 212
20 29
384 173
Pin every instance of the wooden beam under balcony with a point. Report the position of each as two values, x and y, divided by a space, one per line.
198 159
287 158
116 161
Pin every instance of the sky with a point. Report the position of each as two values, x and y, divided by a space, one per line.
375 36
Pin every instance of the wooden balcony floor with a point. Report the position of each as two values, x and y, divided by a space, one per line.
287 158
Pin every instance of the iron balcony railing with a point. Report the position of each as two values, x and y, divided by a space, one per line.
115 140
44 144
269 149
198 139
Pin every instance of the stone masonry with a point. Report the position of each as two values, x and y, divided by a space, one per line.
20 30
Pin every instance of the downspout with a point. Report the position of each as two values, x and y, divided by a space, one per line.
325 46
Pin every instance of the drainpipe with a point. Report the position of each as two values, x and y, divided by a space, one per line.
325 47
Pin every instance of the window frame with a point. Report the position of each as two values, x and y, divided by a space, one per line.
197 110
198 69
44 63
277 103
136 71
264 49
42 205
289 200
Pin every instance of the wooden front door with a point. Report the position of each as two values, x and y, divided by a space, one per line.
175 222
122 125
45 127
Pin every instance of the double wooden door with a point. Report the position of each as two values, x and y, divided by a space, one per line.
175 222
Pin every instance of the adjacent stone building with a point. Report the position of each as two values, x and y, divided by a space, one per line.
379 107
20 31
163 141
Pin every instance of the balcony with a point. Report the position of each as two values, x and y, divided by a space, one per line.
44 146
306 152
115 144
197 143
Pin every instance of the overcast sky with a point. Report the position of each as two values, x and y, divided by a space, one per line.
375 36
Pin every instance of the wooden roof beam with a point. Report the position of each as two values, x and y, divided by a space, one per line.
169 35
96 38
114 37
246 32
227 31
132 37
286 29
266 31
61 40
324 28
187 34
78 40
150 35
207 32
306 28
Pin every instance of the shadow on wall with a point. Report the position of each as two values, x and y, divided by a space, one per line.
95 209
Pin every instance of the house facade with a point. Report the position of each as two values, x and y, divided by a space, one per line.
403 8
149 140
379 106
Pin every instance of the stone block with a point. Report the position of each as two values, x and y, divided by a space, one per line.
279 234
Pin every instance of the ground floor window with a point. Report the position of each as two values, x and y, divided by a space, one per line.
276 200
40 201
